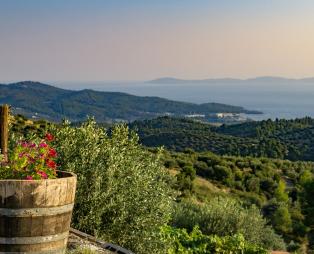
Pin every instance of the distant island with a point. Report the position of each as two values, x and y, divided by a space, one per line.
38 100
172 80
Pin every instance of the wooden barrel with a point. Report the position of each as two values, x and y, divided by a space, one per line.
35 216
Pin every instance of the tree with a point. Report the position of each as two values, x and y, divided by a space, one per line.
253 184
280 193
122 195
282 219
226 217
222 172
308 206
185 180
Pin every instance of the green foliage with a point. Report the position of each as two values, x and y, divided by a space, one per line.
21 126
179 134
280 193
262 176
267 183
281 139
308 206
32 160
55 103
226 217
289 139
185 180
282 219
181 242
282 189
123 195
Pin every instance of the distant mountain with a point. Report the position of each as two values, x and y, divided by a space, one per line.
35 99
168 80
171 80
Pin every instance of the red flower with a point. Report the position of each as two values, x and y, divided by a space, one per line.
24 144
42 145
32 160
49 137
32 145
51 164
52 152
43 174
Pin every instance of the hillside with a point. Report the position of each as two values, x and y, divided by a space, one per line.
179 134
283 139
271 184
278 188
295 136
52 103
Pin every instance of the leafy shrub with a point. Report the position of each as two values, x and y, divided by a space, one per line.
122 196
181 242
282 219
280 193
185 180
226 217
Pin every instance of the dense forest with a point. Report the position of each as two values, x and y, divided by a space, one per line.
281 139
209 200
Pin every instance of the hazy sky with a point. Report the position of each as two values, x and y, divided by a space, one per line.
93 40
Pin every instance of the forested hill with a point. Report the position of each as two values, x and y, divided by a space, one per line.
45 101
284 139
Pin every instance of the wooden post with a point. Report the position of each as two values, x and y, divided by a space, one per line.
4 133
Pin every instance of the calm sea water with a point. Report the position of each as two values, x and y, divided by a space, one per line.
275 99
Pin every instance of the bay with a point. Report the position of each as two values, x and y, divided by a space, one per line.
286 99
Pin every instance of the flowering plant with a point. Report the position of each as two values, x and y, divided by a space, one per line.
31 160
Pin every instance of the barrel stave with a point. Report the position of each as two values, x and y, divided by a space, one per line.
40 247
35 216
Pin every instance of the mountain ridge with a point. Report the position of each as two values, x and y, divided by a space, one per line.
35 99
173 80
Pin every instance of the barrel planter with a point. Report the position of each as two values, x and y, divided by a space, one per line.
35 215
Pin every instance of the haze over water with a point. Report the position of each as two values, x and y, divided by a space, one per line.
276 99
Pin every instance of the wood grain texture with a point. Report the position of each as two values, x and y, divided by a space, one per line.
37 211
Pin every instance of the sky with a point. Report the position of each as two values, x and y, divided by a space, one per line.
98 40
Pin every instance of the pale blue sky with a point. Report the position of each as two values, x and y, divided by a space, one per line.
93 40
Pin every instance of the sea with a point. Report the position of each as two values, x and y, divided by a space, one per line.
276 99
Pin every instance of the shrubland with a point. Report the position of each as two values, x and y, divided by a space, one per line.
127 196
195 242
224 216
281 189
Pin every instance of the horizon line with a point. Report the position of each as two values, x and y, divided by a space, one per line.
174 78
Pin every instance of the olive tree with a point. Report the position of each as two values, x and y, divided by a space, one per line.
226 216
123 195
